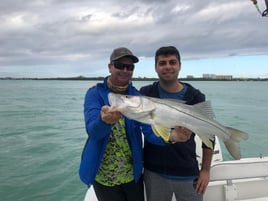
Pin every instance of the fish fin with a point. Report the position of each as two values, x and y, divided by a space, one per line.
236 134
206 141
233 143
205 109
163 132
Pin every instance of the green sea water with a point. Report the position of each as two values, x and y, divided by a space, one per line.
42 132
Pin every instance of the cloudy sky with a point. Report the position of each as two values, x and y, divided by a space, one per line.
62 38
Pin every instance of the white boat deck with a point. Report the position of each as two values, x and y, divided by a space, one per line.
237 180
240 180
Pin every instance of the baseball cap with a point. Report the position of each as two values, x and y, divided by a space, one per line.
122 52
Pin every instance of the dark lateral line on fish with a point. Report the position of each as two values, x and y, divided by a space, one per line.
201 119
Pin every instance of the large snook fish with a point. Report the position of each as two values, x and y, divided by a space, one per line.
164 114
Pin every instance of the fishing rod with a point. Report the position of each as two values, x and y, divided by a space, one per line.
265 12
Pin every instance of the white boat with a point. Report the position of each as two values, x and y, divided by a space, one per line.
237 180
244 180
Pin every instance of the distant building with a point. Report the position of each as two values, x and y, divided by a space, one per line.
224 77
209 76
189 76
218 77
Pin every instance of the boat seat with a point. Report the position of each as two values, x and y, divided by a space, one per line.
239 169
240 180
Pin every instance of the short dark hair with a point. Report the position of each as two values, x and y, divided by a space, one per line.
166 51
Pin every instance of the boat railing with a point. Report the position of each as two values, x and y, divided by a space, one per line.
243 180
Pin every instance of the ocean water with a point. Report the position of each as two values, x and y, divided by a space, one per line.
42 132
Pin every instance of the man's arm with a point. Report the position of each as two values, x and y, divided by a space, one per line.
204 175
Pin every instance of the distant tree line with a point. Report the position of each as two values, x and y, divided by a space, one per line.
136 79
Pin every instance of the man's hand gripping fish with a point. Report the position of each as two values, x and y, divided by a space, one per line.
164 114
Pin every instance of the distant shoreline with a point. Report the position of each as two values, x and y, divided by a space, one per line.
81 78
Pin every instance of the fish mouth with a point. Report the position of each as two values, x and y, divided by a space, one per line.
123 100
114 100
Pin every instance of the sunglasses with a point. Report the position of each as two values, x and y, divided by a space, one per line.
121 66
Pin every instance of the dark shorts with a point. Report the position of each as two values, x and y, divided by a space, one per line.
125 192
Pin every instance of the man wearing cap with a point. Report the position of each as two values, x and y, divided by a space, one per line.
112 159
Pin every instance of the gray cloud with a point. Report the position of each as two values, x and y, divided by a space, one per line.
51 32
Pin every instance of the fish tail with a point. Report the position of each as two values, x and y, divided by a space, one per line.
233 143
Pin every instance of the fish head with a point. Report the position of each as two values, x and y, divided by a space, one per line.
129 104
